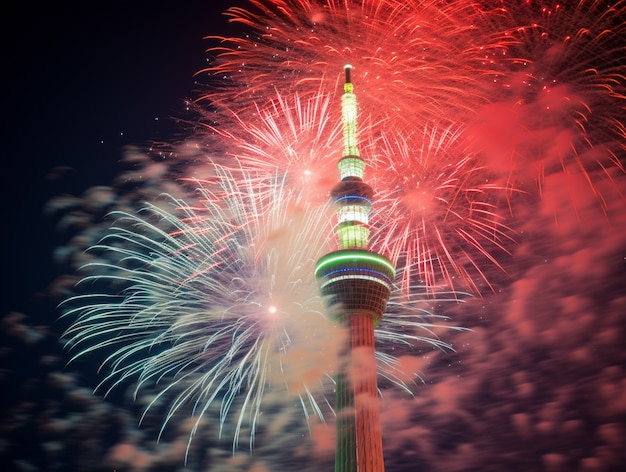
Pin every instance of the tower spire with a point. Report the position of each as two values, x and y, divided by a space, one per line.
352 197
356 282
348 110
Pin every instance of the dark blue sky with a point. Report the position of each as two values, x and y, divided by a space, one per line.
83 80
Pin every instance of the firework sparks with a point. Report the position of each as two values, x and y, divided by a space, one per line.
540 84
211 303
296 138
443 216
215 297
440 206
415 58
561 103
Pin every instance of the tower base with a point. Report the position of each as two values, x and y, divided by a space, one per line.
359 436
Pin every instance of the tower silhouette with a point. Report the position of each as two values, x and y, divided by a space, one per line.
356 283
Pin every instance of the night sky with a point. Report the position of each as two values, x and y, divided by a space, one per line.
82 82
538 384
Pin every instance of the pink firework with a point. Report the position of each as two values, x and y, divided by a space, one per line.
558 113
291 137
418 60
440 213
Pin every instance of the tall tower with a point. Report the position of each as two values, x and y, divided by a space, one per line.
357 283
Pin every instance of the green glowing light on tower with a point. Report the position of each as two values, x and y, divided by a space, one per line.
351 166
339 258
353 236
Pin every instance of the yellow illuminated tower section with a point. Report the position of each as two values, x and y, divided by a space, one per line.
356 282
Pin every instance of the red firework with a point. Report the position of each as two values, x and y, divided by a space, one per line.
437 208
439 213
560 108
418 60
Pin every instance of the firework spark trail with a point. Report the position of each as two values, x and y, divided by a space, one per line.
443 218
560 107
205 305
415 58
213 302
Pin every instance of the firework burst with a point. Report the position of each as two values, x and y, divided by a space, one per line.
204 306
439 205
418 60
443 216
217 298
296 138
561 105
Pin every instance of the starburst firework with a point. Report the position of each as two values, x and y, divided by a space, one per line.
294 137
209 304
415 58
214 297
443 215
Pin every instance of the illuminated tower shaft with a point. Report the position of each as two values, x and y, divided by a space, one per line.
357 284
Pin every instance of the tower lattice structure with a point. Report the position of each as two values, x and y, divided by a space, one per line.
356 282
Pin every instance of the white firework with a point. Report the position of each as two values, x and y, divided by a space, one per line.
208 306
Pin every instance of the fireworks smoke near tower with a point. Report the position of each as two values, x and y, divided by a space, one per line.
357 282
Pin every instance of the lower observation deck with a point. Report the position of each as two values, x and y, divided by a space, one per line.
358 280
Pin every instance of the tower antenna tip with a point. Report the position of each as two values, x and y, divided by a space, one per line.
348 69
